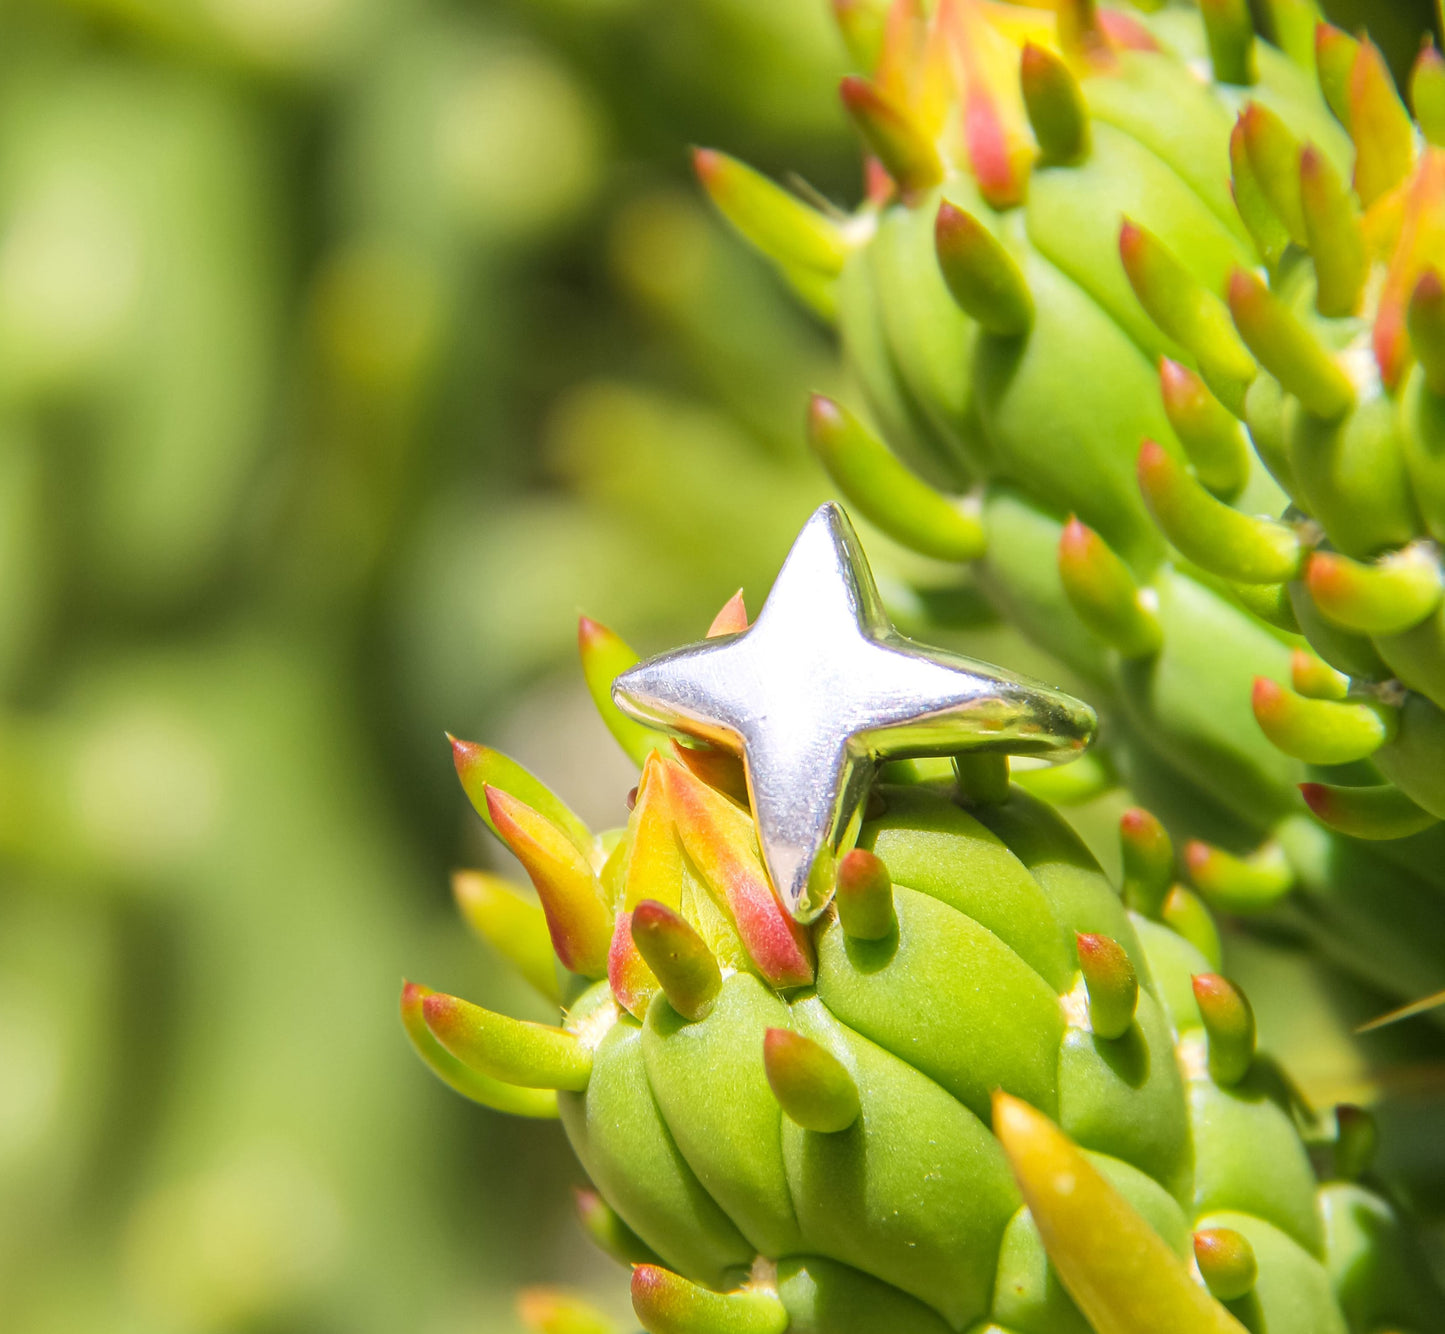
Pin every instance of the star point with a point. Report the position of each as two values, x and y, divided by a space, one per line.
820 689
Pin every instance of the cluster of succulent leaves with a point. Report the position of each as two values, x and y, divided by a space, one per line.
986 1091
1148 311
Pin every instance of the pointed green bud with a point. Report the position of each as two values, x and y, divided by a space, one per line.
1229 28
892 135
601 1222
1255 211
1055 105
1321 731
1112 1262
667 1303
511 925
1239 884
1112 984
480 767
1148 856
1103 592
1287 350
678 957
1212 436
1332 229
1229 1021
605 656
1244 548
1314 678
1185 914
1334 58
812 1086
862 24
1427 94
535 1056
1184 309
1291 27
886 493
779 224
551 1311
1381 811
1274 155
1226 1262
983 277
981 778
1357 1137
1426 322
1385 597
540 1104
1380 126
864 896
577 919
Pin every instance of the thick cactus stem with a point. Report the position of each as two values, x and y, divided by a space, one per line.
1235 546
884 491
1229 1022
1334 58
1332 230
1427 328
1237 884
777 223
1183 308
1427 95
1111 981
517 1052
812 1086
511 925
480 1088
1185 914
1114 1264
605 655
1226 1262
892 135
1104 593
608 1232
1148 855
982 778
548 1311
1211 435
1274 158
864 896
666 1303
732 617
1357 1137
1378 812
1380 126
678 957
1314 678
1387 597
1287 350
1321 731
1055 105
981 274
1229 28
577 919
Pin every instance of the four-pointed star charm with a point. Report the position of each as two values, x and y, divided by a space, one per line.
820 689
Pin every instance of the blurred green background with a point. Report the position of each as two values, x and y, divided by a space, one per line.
348 349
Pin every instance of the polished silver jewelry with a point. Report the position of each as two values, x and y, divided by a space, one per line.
820 689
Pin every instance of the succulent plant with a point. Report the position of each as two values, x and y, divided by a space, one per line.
1122 282
981 1092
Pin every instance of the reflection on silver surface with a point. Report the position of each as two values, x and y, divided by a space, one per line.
822 687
